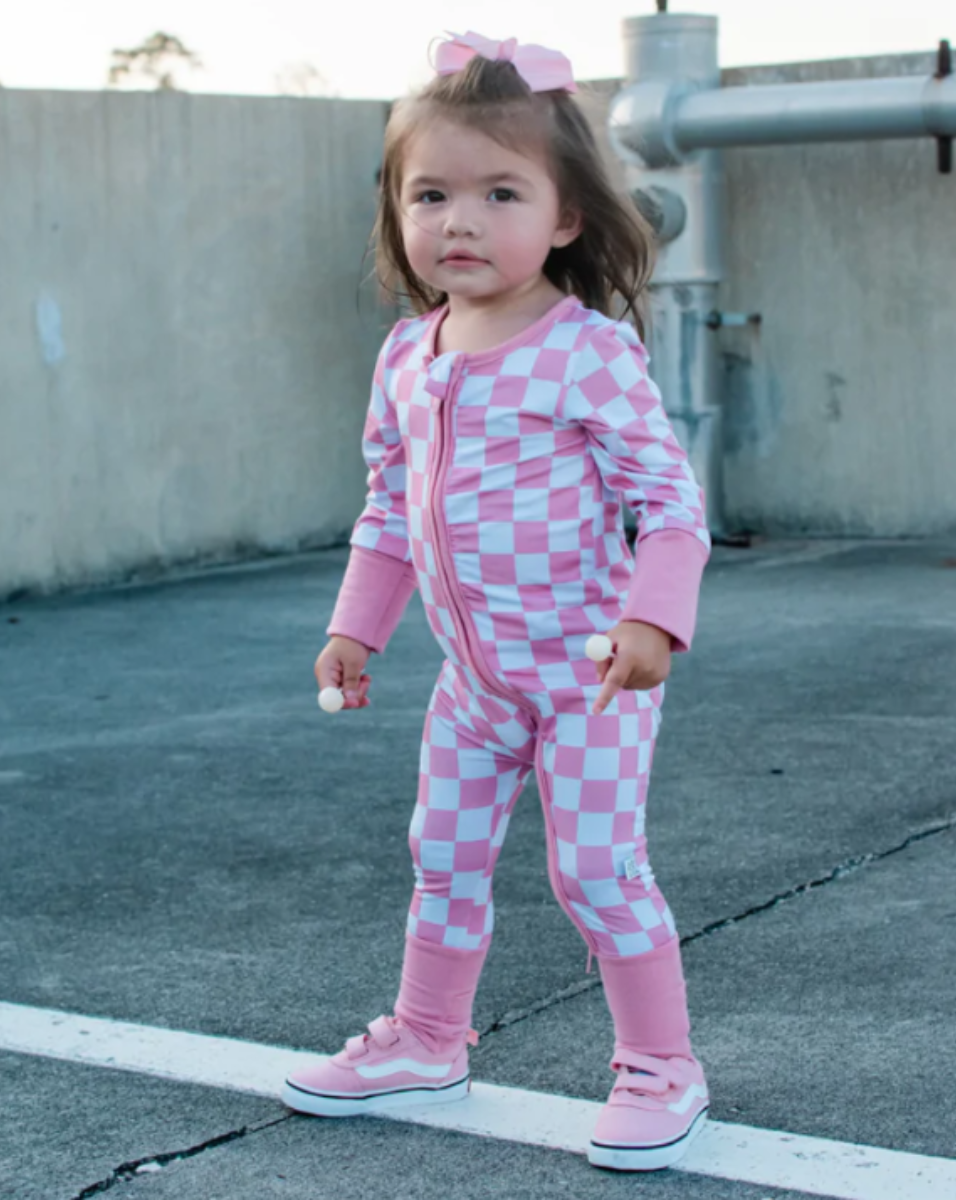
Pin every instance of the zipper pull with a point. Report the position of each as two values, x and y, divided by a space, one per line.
437 389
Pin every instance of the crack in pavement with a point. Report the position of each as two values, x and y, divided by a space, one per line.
155 1162
848 867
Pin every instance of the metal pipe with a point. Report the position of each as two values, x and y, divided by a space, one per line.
665 122
668 126
683 205
817 112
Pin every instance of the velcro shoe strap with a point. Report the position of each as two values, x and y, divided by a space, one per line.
384 1035
655 1077
355 1046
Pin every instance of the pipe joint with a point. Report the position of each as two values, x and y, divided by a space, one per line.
663 209
642 123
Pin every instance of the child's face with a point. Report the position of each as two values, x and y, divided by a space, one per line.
461 190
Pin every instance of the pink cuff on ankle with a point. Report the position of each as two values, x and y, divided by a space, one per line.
438 989
648 1001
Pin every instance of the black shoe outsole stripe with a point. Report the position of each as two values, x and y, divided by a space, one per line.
377 1095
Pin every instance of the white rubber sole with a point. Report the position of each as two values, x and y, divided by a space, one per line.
645 1158
315 1105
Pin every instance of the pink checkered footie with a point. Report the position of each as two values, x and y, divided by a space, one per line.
495 487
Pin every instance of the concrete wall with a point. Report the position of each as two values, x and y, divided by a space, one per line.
840 414
840 411
184 365
184 370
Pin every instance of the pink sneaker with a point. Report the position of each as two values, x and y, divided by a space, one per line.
656 1108
386 1068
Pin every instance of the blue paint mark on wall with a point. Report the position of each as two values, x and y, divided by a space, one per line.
50 330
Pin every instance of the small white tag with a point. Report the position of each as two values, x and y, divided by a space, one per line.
631 868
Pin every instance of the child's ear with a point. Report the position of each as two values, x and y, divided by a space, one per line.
570 227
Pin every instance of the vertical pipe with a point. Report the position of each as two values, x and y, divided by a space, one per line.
681 48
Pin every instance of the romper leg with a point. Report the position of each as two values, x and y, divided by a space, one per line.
593 774
476 754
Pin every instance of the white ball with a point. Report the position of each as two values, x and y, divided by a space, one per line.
331 700
599 647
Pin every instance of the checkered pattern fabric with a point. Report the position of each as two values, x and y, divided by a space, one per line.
499 476
592 777
545 439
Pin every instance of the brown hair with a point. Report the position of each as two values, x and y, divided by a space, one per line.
611 257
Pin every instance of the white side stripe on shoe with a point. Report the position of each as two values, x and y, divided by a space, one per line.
768 1157
426 1070
694 1092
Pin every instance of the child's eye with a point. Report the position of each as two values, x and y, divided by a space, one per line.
428 197
507 192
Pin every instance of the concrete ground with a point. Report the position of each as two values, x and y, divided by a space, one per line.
187 842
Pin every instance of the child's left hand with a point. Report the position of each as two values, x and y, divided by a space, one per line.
642 661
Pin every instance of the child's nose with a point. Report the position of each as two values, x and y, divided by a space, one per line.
460 220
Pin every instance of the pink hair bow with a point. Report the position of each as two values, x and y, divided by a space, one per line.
543 70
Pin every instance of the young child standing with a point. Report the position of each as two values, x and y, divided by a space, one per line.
507 421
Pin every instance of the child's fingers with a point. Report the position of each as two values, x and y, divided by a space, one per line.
614 680
357 696
605 664
328 672
351 682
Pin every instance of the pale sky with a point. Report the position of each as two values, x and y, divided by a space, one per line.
374 49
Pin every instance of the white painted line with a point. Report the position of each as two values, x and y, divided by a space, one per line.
764 1157
167 1053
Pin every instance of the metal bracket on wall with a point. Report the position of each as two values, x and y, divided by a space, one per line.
725 320
944 144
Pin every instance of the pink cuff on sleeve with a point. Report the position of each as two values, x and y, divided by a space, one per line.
374 593
668 566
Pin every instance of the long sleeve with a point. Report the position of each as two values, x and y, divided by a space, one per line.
380 578
611 395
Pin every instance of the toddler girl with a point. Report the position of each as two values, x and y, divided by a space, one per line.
507 420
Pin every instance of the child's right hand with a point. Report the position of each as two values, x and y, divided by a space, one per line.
341 665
